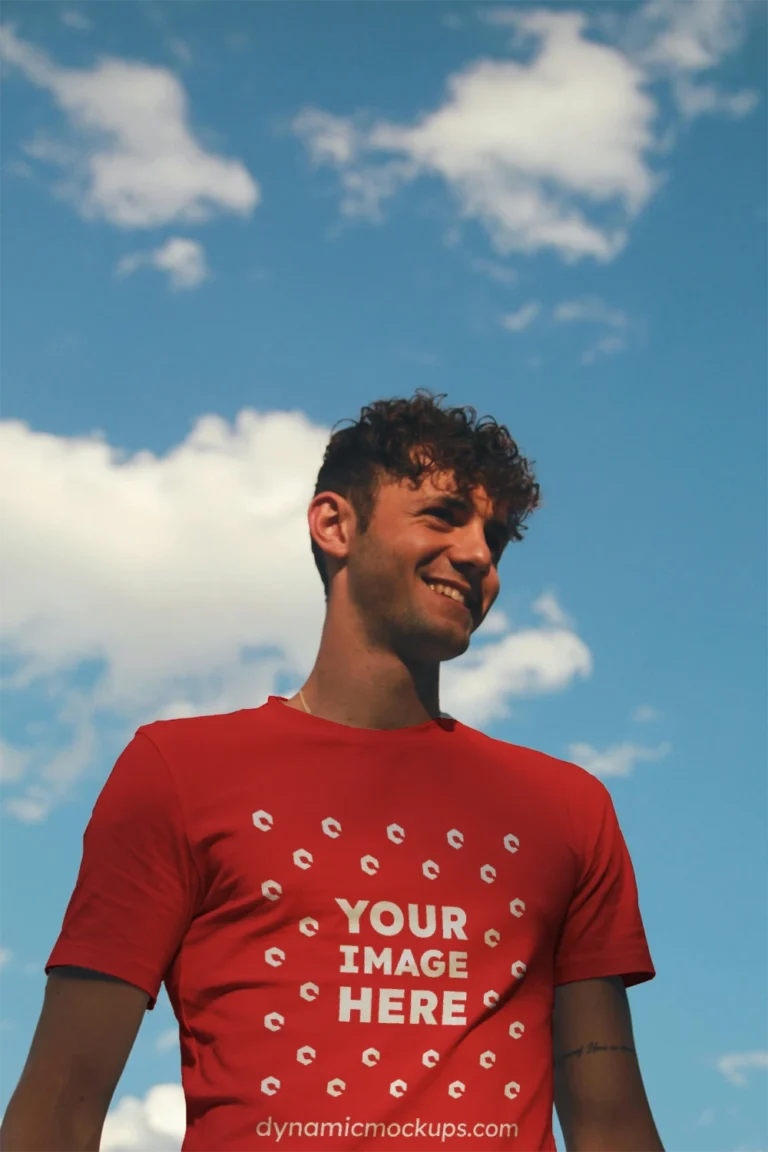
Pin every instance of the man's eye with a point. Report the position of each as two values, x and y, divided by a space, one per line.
441 513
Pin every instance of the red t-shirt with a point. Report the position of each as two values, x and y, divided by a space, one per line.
360 931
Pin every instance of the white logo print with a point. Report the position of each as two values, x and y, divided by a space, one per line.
455 838
302 858
274 956
516 1030
262 820
306 1054
492 937
517 907
430 1058
430 869
398 1088
269 1085
491 999
487 1059
335 1087
309 991
512 1090
370 865
396 833
308 926
511 843
519 969
456 1089
331 827
488 873
371 1057
271 890
274 1021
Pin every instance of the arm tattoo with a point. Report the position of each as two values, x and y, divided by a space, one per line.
593 1046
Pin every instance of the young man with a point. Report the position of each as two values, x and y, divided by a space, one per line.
378 928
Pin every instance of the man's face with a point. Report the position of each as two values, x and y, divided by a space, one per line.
419 538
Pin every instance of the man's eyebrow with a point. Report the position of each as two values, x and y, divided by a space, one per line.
459 504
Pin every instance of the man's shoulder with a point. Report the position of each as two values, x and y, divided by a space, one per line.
194 734
564 776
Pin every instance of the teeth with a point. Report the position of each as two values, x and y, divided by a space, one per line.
446 590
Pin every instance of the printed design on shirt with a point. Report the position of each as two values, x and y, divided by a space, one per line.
371 1004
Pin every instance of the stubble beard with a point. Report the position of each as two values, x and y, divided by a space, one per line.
394 620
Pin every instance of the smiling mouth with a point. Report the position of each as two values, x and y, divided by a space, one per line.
448 593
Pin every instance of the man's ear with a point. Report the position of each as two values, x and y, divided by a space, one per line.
332 523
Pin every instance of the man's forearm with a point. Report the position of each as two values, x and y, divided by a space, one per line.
628 1135
31 1126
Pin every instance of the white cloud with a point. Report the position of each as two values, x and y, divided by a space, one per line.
73 19
593 310
187 584
132 158
522 318
691 37
548 606
735 1064
504 145
589 309
180 49
155 1124
552 148
503 142
617 760
183 261
644 713
679 41
167 1040
605 346
13 762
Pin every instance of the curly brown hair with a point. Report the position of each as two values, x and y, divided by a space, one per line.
381 445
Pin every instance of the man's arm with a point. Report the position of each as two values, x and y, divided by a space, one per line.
599 1092
85 1033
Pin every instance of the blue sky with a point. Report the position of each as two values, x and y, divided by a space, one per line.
226 227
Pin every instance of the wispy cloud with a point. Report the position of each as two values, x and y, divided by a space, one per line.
644 713
521 319
616 760
605 346
182 260
498 139
167 1040
683 43
735 1065
590 310
130 157
494 270
548 606
71 18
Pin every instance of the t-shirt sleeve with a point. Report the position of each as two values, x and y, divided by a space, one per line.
138 887
603 933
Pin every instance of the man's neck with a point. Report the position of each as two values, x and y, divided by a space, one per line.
360 699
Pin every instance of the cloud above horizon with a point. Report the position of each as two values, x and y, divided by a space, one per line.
502 139
129 156
184 584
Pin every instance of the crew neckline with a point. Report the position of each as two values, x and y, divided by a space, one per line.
443 723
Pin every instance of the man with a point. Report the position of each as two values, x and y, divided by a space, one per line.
378 928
